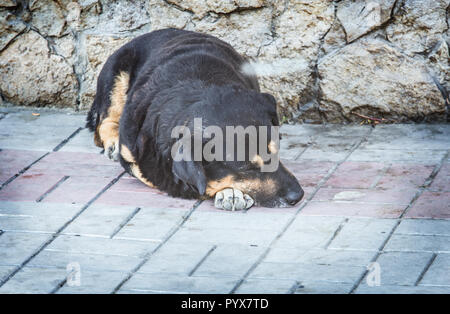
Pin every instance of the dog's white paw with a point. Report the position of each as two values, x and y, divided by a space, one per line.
112 151
232 199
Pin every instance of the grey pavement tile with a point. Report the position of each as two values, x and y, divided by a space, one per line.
46 143
265 286
308 273
225 235
218 227
229 260
363 234
99 220
122 291
441 261
94 282
424 227
333 142
342 130
418 243
389 289
50 119
16 247
391 155
322 142
328 148
15 256
323 154
310 232
94 262
292 146
83 142
437 277
320 256
5 271
101 246
320 287
331 130
439 272
22 130
254 220
151 224
402 268
176 257
39 209
31 223
409 137
179 284
34 280
35 217
300 130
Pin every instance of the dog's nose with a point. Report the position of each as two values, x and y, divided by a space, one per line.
293 197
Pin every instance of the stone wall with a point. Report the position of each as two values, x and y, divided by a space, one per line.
330 60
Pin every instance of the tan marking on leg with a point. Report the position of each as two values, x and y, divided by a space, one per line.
138 174
273 147
97 140
119 95
126 154
109 133
258 160
108 130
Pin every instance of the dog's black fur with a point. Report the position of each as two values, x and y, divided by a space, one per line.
176 76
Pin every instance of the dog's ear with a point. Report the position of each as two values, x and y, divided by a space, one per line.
191 173
273 107
270 98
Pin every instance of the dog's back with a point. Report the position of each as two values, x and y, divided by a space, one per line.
170 50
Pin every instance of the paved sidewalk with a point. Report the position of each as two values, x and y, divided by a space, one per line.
372 195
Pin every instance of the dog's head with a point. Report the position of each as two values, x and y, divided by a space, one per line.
238 148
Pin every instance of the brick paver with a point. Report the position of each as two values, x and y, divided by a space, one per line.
439 272
177 258
386 289
403 156
356 175
35 217
162 283
16 247
29 187
24 131
430 205
312 272
34 280
402 268
13 161
371 195
342 208
258 286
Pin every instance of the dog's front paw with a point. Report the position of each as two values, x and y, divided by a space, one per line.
112 151
232 199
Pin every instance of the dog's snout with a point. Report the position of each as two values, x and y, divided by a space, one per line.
293 197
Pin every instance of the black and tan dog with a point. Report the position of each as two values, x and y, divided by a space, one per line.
166 79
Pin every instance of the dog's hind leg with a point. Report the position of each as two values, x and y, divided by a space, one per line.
108 130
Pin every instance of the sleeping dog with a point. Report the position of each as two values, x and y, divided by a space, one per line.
172 78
